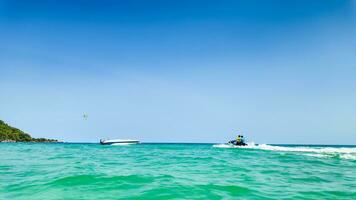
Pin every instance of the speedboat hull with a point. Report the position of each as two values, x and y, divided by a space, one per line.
118 142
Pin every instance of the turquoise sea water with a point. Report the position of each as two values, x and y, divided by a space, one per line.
176 171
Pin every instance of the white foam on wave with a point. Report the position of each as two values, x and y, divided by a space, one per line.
342 152
348 156
318 155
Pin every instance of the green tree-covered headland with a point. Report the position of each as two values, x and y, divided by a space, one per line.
11 134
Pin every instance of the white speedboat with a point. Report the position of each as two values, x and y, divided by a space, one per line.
118 142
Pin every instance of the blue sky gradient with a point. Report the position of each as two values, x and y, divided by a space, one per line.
180 71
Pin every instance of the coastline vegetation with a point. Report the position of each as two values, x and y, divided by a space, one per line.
11 134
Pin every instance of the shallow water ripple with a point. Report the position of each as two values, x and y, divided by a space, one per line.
174 171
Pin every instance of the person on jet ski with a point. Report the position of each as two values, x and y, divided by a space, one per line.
241 140
238 140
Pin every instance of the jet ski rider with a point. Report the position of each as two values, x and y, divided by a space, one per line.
240 140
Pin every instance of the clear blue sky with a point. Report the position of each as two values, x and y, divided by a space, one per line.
184 71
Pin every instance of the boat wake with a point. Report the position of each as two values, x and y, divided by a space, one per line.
342 152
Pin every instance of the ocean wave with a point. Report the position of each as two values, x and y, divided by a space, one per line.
348 156
100 179
318 155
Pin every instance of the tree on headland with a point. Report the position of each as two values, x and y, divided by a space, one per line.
9 133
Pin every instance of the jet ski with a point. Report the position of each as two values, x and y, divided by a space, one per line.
236 143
